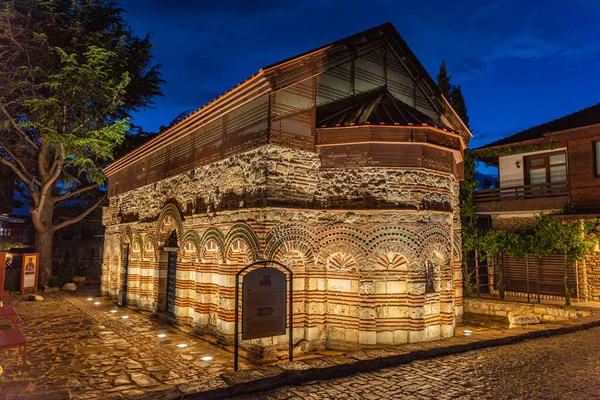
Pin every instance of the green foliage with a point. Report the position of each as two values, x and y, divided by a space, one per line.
72 72
547 237
443 80
77 117
452 93
468 285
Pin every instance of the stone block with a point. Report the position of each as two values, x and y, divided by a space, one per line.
69 287
385 337
351 335
400 336
433 332
416 336
365 337
396 287
339 285
35 297
516 320
447 330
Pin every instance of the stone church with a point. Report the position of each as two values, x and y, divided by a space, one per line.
342 163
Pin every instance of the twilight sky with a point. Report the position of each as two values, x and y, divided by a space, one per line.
519 62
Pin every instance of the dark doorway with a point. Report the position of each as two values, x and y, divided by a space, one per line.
171 247
125 272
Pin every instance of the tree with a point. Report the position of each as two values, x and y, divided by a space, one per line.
72 72
443 80
469 230
452 93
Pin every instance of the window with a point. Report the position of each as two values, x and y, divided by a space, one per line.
546 168
596 158
429 277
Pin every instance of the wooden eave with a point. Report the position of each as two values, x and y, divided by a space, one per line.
504 149
400 129
234 98
580 132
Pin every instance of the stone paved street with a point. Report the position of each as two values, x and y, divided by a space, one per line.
561 367
77 349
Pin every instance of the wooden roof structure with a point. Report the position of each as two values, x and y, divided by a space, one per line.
542 133
376 107
373 69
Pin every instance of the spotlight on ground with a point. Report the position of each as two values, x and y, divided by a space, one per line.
89 299
113 311
206 358
161 335
182 345
124 316
96 303
468 332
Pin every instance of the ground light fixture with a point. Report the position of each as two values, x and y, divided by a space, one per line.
96 303
182 345
161 335
89 299
124 316
113 311
468 332
206 358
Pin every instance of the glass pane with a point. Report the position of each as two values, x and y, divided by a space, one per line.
537 176
557 159
536 162
597 156
558 174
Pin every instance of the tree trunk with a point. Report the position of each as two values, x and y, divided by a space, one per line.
43 245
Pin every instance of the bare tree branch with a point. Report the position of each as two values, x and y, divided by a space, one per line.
18 128
80 216
26 181
19 162
68 195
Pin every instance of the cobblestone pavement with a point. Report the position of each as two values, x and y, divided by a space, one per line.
561 367
79 349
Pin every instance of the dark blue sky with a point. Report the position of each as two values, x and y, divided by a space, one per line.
519 62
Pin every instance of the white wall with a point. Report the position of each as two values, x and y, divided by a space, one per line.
509 174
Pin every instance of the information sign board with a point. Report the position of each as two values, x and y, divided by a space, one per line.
263 303
29 272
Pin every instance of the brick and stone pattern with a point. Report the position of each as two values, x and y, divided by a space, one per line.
356 239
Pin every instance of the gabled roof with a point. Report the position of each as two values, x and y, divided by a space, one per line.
293 70
376 107
585 117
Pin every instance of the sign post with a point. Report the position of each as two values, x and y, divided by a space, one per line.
29 272
263 305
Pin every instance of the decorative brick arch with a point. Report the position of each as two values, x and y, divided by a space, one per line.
215 235
149 247
294 254
436 245
127 236
341 256
239 253
396 239
243 232
137 246
190 246
169 219
286 233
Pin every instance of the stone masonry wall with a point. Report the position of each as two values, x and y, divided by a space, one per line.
359 272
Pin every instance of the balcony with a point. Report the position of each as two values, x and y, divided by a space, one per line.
525 198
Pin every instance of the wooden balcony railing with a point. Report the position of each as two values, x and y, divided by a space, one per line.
524 192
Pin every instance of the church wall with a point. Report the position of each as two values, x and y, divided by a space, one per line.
359 270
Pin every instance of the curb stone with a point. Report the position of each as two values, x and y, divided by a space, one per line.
265 378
